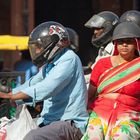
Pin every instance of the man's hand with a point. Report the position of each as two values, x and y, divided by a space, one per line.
4 95
19 95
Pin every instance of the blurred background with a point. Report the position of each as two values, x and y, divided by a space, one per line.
19 17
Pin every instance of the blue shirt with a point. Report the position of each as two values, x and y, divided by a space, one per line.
61 85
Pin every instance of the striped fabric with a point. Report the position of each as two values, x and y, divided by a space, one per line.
119 76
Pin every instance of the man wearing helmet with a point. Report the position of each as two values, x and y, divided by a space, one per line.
59 84
132 16
102 25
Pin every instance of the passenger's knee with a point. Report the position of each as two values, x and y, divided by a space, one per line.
31 135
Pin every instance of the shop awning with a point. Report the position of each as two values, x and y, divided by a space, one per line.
8 42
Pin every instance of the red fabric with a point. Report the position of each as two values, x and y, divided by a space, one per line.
128 101
102 65
124 105
115 46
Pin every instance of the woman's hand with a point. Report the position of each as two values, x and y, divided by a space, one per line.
91 94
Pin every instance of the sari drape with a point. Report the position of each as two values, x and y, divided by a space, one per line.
109 117
119 76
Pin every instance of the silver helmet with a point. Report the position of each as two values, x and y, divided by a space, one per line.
132 16
106 20
46 41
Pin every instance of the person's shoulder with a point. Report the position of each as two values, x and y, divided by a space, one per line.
103 62
65 55
104 59
69 54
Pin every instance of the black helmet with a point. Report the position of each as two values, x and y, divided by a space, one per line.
74 39
49 37
132 15
126 30
106 20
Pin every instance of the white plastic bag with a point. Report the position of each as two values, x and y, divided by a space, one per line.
21 126
3 123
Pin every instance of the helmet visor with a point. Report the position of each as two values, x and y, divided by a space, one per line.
35 50
95 22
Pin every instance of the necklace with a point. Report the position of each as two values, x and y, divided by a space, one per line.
121 60
117 60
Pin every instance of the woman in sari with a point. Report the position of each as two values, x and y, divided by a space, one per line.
114 91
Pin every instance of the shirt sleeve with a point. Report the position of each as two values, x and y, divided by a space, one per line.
33 80
100 67
95 74
56 79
